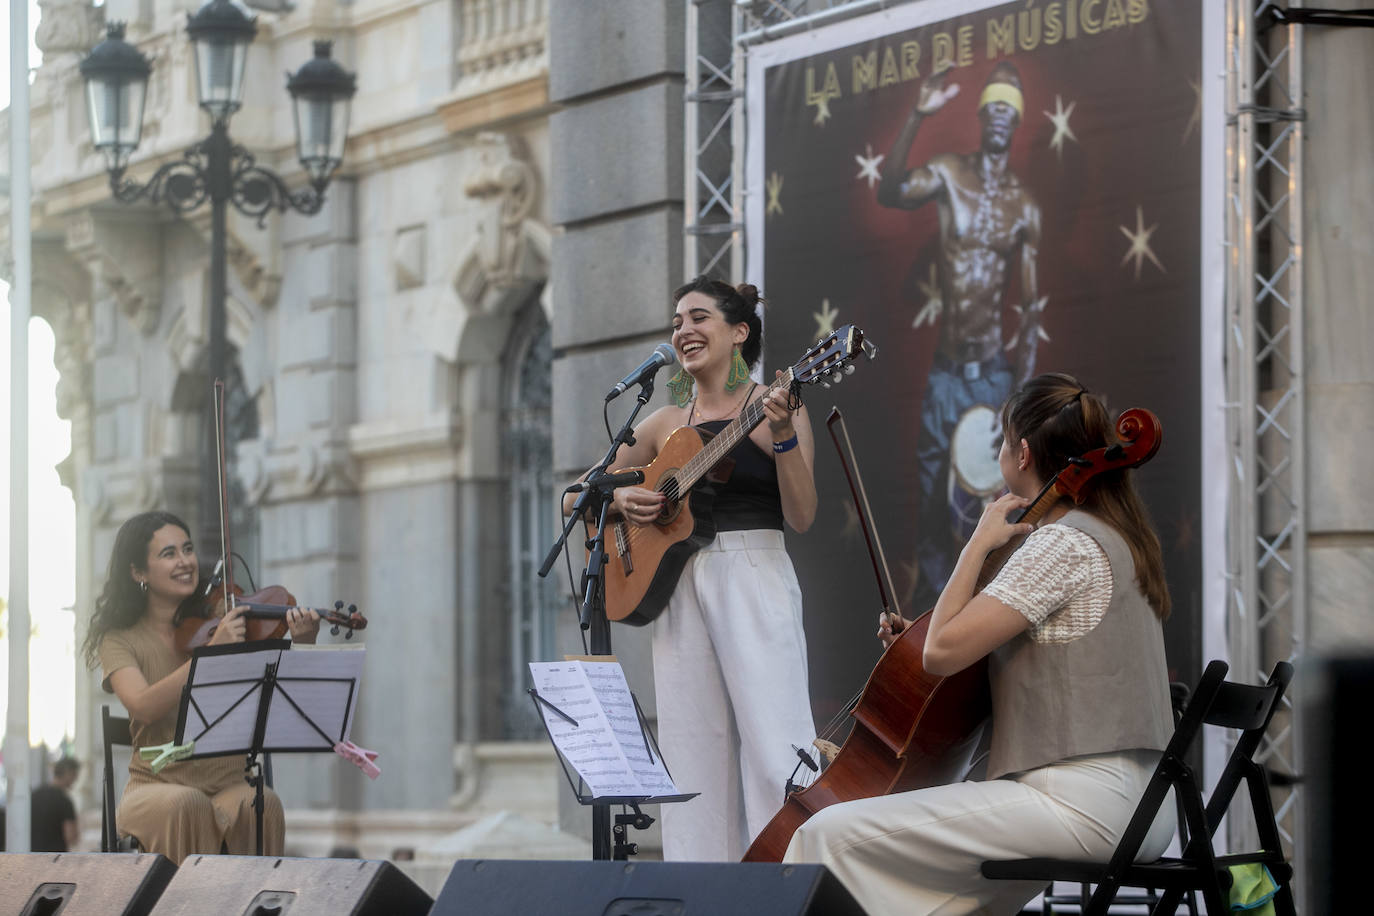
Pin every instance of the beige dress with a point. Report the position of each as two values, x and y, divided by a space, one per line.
191 806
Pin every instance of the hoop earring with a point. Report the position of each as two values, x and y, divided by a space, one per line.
739 371
680 388
143 586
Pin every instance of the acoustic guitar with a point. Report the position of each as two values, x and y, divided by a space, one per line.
645 562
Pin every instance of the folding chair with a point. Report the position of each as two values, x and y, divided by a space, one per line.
1217 702
114 731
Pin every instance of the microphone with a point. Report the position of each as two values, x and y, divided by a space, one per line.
608 481
663 356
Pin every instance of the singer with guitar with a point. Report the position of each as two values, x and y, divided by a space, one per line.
729 651
1072 628
188 807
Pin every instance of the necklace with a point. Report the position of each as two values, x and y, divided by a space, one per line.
693 413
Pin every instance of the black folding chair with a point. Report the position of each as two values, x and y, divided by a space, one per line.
114 731
1217 702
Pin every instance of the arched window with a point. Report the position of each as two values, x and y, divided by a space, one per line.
527 458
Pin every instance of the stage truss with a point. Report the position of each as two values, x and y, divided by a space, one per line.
1266 551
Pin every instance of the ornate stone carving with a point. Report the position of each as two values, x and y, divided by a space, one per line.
124 259
507 186
68 26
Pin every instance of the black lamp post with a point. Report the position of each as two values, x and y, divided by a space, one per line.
116 75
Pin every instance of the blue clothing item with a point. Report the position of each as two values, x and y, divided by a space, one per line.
951 389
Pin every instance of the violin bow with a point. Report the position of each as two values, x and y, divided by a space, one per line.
888 595
226 555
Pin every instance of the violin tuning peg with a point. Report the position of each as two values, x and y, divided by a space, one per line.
338 605
334 630
348 635
352 609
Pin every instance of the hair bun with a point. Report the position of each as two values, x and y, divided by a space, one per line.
749 293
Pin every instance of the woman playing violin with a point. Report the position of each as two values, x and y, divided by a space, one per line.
729 651
1080 701
191 806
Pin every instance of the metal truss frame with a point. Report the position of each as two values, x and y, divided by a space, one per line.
1266 607
1266 614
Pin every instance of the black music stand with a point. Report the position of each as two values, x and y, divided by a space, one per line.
621 849
258 697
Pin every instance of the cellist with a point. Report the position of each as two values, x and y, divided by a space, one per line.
192 806
1080 700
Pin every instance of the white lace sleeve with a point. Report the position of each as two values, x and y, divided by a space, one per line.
1056 568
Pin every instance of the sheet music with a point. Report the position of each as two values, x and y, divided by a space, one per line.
606 747
226 693
322 681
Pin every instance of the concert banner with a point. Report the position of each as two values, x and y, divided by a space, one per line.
1042 210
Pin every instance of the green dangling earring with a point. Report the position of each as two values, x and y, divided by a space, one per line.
680 388
739 372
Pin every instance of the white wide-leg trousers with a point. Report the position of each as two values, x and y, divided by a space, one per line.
731 688
918 853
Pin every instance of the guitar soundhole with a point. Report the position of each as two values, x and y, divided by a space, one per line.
672 506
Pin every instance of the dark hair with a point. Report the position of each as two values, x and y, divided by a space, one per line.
122 602
737 304
1004 72
66 765
1060 419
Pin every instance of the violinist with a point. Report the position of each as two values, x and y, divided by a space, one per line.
189 807
1080 701
729 653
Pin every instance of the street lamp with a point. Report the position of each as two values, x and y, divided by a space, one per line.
116 75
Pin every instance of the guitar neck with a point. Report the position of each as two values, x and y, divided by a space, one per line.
724 441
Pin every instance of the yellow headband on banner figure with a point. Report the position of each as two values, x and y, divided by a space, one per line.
1002 92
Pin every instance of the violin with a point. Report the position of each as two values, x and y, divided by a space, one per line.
912 729
264 612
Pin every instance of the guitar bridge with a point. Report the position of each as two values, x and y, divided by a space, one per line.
622 548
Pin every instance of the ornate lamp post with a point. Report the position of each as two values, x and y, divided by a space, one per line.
215 169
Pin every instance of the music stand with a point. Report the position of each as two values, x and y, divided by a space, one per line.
259 697
582 744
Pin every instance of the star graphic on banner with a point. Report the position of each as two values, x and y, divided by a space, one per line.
868 165
1060 120
1140 243
850 529
825 319
1195 118
1033 313
774 195
933 305
822 103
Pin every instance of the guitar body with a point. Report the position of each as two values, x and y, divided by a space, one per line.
644 564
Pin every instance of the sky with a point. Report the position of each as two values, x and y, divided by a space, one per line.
51 540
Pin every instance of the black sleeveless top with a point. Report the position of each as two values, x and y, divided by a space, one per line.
746 486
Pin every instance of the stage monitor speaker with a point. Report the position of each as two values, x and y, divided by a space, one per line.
487 887
270 886
81 884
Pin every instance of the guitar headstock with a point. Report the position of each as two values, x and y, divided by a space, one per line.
831 357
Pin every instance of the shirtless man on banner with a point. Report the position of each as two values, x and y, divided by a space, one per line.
988 222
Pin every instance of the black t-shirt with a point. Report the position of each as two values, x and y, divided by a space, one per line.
49 808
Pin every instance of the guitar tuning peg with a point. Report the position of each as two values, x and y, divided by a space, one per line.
824 383
837 377
849 369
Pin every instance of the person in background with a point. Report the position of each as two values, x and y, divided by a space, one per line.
52 816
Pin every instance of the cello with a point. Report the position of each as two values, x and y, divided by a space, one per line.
264 611
911 729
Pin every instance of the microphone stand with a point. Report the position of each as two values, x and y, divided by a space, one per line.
595 500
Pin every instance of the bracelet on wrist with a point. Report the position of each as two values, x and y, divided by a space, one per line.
785 445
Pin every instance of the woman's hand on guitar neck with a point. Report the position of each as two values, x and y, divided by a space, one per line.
637 505
886 632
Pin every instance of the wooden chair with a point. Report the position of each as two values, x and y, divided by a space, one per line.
1215 702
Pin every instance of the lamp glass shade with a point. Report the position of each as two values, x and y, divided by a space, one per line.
321 131
220 65
115 107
